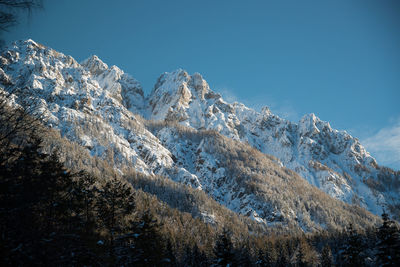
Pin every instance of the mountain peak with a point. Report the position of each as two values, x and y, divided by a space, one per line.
172 78
309 117
94 65
174 91
310 123
265 111
173 82
200 85
27 43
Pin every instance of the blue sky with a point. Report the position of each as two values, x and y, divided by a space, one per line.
338 59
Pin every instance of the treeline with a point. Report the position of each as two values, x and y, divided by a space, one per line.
255 180
50 215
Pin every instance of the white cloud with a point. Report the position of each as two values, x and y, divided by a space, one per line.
286 111
385 146
228 95
283 108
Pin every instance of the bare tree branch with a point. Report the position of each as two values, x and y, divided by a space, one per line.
17 124
10 9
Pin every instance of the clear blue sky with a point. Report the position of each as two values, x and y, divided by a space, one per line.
339 59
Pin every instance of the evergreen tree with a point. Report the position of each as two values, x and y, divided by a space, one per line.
195 257
352 253
223 249
188 257
300 256
86 193
38 209
149 245
265 257
243 257
20 197
389 242
115 201
170 259
283 256
269 254
260 258
326 257
83 196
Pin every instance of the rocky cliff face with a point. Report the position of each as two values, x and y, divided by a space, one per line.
88 103
182 137
329 159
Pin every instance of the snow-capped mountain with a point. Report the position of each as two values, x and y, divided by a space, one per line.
331 160
182 137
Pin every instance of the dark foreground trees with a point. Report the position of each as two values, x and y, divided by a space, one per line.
353 249
52 216
223 250
37 221
389 242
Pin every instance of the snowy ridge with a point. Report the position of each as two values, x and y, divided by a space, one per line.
95 105
329 159
74 102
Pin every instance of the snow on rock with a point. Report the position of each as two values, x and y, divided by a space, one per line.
86 103
121 85
95 105
332 160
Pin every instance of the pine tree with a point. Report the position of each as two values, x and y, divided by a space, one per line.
326 257
195 257
149 245
269 254
40 208
243 257
223 249
170 259
115 201
21 197
300 256
86 193
389 242
83 196
264 258
57 184
352 254
283 256
260 258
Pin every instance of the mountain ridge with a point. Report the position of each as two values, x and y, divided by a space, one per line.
324 156
95 105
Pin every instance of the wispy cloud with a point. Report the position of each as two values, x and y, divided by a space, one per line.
283 109
287 111
385 145
228 95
